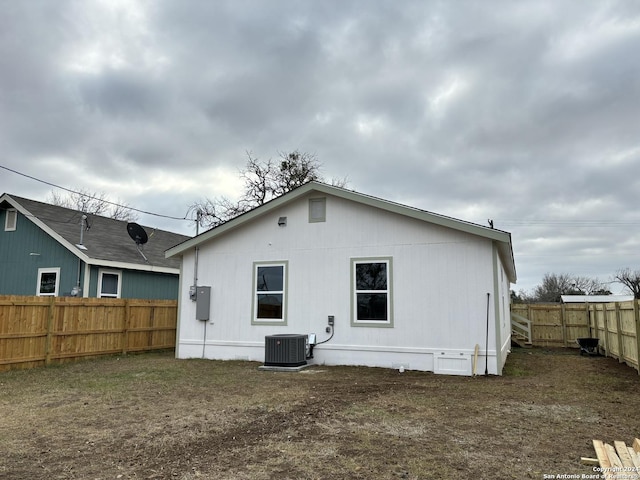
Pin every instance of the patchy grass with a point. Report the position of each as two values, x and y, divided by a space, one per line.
154 417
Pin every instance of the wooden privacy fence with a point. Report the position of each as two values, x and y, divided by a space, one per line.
37 331
615 324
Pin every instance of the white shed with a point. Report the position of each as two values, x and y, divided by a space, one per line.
403 287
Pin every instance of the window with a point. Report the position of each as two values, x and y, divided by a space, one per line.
269 297
317 210
371 300
10 219
48 282
109 283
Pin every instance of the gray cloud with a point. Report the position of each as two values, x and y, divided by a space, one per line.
523 112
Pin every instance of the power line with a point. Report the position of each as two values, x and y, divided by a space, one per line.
568 223
92 197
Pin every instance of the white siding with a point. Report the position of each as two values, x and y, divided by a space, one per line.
503 307
440 282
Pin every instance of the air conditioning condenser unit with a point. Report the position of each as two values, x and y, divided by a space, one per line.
285 350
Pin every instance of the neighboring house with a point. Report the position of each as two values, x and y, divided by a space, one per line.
404 287
50 250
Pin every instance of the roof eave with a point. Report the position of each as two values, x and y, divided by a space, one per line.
132 266
505 251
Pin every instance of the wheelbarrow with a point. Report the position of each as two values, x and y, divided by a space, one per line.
588 346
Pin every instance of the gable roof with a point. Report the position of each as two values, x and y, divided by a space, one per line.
501 238
107 242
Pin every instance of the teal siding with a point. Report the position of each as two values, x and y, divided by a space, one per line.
149 285
136 284
24 251
93 281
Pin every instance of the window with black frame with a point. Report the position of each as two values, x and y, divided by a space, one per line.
109 284
48 281
371 291
270 292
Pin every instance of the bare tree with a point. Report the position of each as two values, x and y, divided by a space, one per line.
630 279
553 286
590 286
295 170
94 204
522 296
82 200
263 181
121 211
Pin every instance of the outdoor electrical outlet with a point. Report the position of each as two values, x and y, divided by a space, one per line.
331 320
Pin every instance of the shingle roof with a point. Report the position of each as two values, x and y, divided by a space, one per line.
106 240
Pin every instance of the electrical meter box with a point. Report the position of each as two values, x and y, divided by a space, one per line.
203 303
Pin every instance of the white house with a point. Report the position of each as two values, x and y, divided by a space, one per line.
404 287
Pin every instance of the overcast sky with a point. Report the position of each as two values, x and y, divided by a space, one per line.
526 112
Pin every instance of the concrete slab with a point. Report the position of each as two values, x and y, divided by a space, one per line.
274 368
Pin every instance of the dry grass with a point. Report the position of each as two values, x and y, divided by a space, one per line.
154 417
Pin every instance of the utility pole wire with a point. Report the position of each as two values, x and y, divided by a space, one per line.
93 198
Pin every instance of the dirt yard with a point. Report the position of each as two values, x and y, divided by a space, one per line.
153 417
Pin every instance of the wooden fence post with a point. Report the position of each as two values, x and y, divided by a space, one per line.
619 331
528 316
126 325
605 335
563 322
636 317
50 315
152 321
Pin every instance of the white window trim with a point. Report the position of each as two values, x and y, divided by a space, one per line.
55 270
254 301
11 213
101 272
389 291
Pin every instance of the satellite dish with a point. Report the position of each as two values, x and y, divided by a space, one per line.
137 233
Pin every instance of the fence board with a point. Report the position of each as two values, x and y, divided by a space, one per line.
627 329
36 331
577 323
